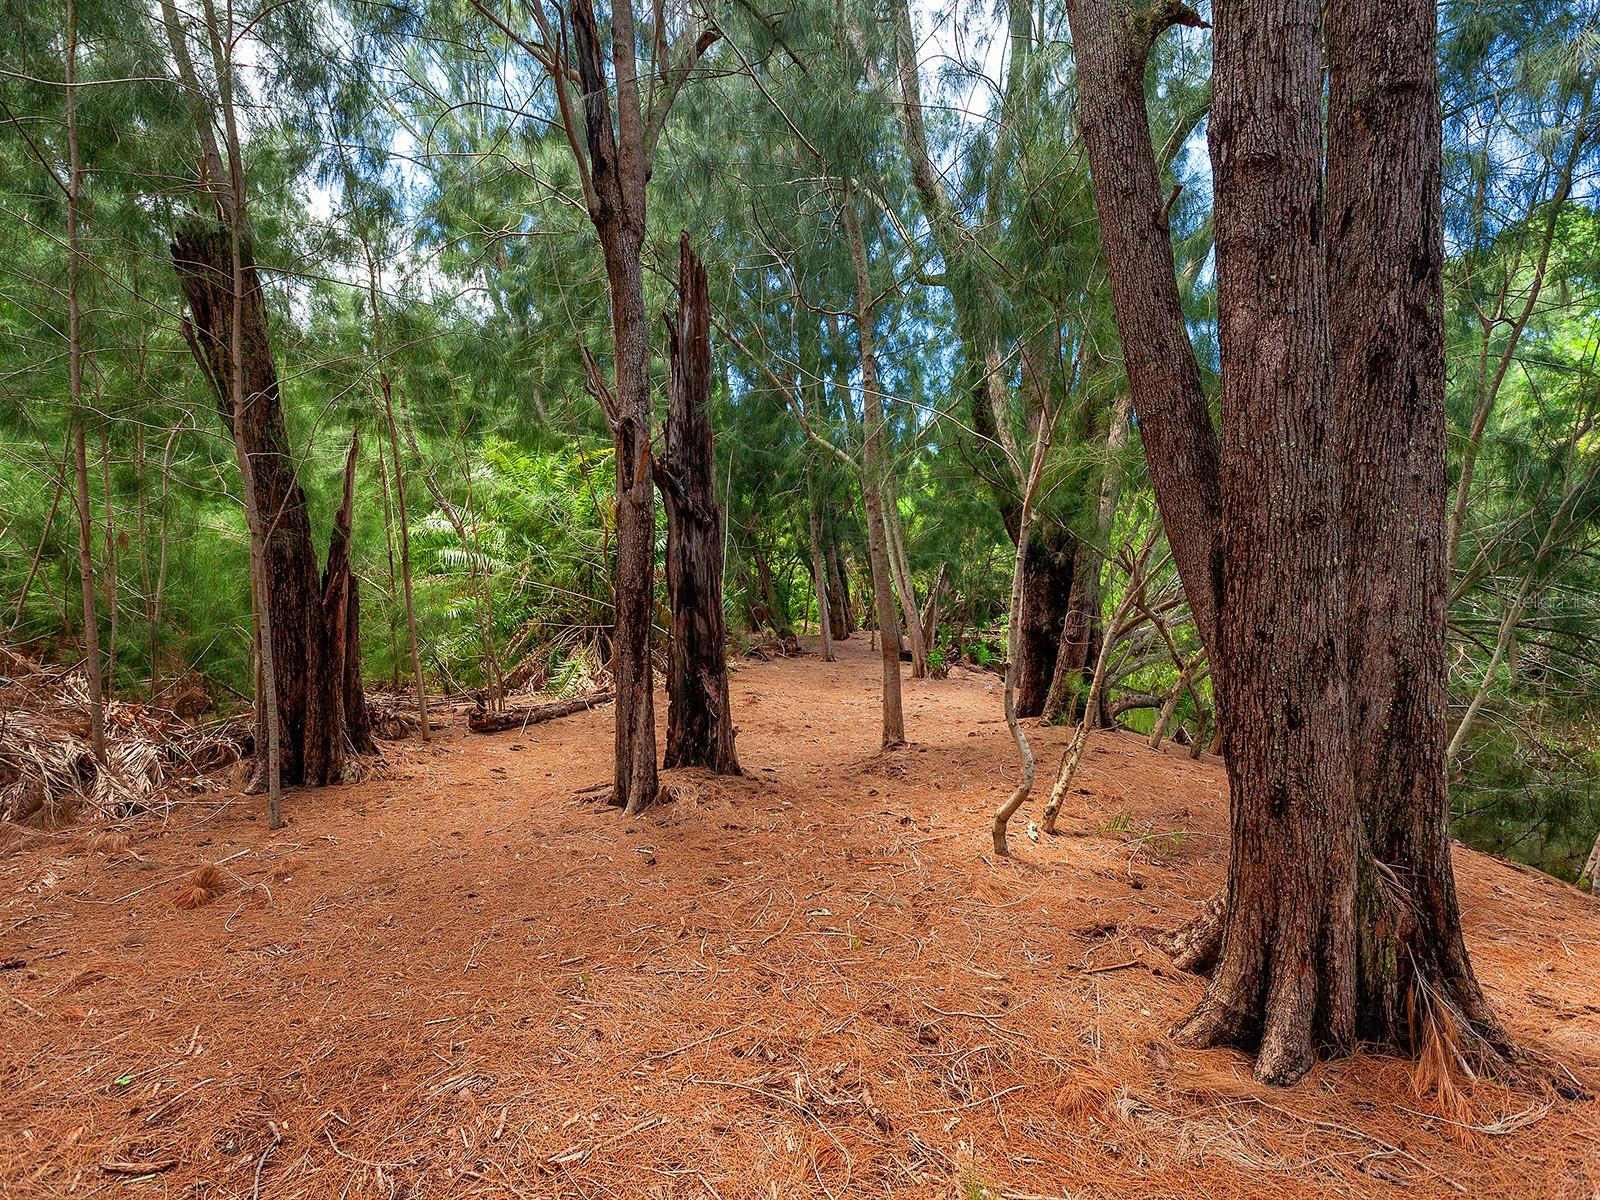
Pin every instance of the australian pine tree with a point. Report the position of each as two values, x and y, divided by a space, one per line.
612 131
1316 566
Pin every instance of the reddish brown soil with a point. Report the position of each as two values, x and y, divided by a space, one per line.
462 979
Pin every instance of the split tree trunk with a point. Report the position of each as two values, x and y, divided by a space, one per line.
319 700
699 724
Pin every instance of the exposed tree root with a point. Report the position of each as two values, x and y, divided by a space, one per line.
1403 988
1196 944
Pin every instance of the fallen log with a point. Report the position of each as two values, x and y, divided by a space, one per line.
481 720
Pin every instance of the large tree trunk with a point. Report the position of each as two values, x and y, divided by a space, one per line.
314 721
1385 254
1286 980
699 723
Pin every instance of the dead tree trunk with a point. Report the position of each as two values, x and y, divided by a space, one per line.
699 724
309 681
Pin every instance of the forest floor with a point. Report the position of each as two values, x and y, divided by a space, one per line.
466 977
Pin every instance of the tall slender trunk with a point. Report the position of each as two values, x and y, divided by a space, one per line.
159 589
108 577
874 470
819 567
618 169
400 498
255 518
75 355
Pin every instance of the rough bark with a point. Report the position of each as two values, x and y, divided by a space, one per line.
617 169
1286 978
1046 600
1385 256
1112 41
699 723
314 693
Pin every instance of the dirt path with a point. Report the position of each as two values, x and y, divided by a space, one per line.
466 979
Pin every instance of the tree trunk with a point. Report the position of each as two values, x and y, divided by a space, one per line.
308 683
905 587
1111 46
840 614
617 174
108 577
1385 256
873 473
1046 597
400 499
1287 977
819 568
91 623
699 723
